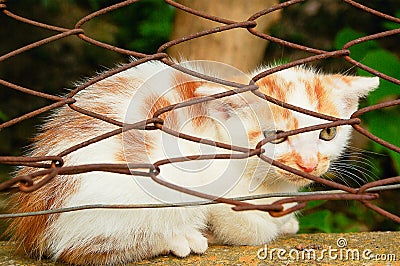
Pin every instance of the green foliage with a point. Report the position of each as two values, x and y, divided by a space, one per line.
392 25
3 116
308 222
387 63
146 25
382 123
347 217
142 26
358 51
385 124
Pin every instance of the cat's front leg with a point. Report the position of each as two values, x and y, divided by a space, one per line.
290 226
241 228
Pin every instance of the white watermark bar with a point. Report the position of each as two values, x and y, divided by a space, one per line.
338 252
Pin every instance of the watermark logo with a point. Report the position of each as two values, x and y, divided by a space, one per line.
340 252
341 242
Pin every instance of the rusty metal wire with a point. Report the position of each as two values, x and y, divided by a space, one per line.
50 166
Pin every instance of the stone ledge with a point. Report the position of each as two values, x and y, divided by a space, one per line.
385 244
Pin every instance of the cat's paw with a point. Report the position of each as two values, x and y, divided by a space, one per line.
290 227
197 242
179 246
182 244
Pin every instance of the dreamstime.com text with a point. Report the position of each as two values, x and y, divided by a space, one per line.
340 252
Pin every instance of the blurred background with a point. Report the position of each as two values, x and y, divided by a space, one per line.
144 26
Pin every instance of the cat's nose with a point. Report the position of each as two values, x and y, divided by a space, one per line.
307 166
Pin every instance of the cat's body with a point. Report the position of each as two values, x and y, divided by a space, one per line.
107 236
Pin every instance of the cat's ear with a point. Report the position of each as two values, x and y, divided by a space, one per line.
361 86
354 88
225 107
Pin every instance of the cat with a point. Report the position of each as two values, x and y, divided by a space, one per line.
114 236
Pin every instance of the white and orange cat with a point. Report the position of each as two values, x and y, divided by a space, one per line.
114 236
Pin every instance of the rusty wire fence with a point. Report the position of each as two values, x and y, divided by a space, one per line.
51 166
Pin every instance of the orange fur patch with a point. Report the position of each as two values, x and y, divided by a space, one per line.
153 103
134 141
280 113
289 158
325 102
320 94
254 134
186 89
114 84
322 158
310 90
285 113
103 109
199 120
269 86
291 123
30 231
318 91
120 157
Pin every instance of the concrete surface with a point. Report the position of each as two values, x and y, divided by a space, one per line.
370 248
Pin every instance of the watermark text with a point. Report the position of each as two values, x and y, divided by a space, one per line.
340 252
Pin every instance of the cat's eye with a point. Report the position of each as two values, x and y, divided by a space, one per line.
270 133
327 133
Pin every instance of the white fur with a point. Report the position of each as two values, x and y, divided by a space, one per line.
179 230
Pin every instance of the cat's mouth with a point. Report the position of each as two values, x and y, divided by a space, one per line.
320 168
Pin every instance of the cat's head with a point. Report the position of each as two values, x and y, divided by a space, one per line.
311 152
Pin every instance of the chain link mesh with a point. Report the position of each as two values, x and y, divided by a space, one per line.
51 166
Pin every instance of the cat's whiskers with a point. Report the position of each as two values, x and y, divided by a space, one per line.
344 175
357 158
355 165
365 154
363 168
336 176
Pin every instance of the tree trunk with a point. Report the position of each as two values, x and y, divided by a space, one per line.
236 47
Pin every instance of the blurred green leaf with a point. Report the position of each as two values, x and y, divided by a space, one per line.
150 24
385 125
315 203
392 25
3 116
387 63
342 223
357 52
316 221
